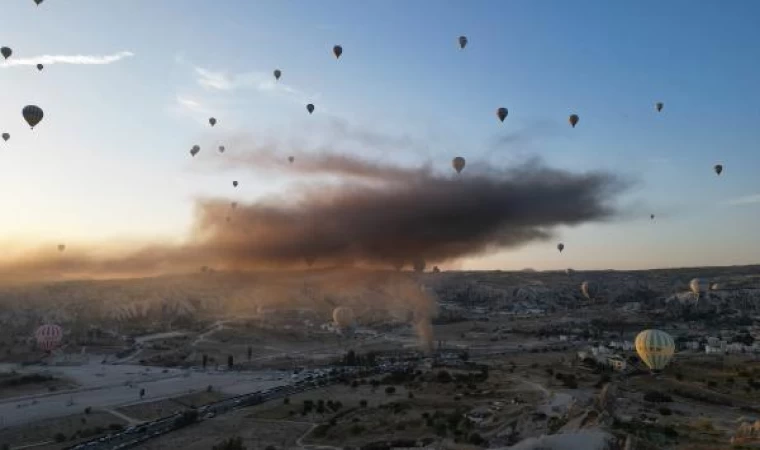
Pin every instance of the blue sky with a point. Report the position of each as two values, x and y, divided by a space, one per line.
110 159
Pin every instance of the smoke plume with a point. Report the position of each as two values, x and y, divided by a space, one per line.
377 215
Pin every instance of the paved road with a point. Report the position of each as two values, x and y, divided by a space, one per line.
121 385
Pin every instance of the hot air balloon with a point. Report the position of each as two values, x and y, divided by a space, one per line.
277 74
569 271
337 51
655 348
291 159
61 247
194 151
501 113
48 337
6 136
221 149
589 290
38 2
343 317
212 121
718 168
309 260
699 286
40 67
560 247
32 114
458 164
310 108
6 52
234 205
651 216
658 106
573 120
462 42
234 183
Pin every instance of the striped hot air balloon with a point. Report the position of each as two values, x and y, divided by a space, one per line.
48 337
655 348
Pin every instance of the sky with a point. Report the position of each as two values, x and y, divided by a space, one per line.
128 87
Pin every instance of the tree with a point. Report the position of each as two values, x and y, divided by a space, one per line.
142 392
250 353
205 360
88 410
230 361
286 401
209 388
233 443
60 437
363 403
390 390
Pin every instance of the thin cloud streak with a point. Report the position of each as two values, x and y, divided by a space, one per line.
67 59
260 81
746 200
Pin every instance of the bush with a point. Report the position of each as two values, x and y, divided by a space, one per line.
390 390
410 395
665 411
233 443
657 397
477 439
363 403
286 401
115 427
88 410
60 437
357 429
443 377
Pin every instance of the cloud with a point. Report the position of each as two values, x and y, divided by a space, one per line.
259 81
190 105
67 59
377 214
746 200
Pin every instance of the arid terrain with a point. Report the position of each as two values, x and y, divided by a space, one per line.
497 359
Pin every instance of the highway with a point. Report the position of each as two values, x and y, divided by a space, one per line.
135 435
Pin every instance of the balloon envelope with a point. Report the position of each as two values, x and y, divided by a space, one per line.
458 164
699 286
277 74
337 51
61 247
560 247
659 106
6 52
718 168
48 337
655 348
589 290
291 158
212 121
573 119
32 114
6 136
235 183
462 41
310 108
343 317
501 113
